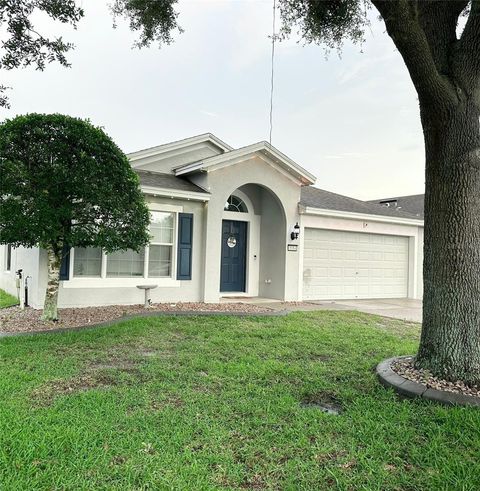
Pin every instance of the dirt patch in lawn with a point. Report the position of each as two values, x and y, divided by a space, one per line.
105 373
323 401
47 393
13 319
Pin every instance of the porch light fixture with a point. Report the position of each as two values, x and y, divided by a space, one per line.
295 232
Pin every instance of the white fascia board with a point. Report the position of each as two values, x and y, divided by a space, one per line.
167 147
307 210
291 163
230 158
175 193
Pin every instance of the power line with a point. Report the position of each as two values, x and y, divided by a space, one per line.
272 73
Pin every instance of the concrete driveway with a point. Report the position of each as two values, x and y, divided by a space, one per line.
398 308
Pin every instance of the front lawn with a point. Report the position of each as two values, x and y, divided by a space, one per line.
7 300
205 403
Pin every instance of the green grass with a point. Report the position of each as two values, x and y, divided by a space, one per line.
214 403
7 300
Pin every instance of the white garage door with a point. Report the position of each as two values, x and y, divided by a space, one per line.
343 265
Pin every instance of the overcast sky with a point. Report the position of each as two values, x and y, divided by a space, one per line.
353 121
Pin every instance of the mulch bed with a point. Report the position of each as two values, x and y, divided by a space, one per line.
405 368
13 319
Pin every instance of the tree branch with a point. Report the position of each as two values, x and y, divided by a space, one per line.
403 26
439 19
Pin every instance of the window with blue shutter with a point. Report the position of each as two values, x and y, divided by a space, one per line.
65 264
184 247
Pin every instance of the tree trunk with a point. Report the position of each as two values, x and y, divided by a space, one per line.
51 296
450 340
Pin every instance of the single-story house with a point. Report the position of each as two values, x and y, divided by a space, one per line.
240 222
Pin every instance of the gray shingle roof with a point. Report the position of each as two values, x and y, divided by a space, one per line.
319 198
412 204
167 181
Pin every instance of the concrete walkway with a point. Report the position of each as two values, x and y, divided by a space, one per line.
398 308
406 309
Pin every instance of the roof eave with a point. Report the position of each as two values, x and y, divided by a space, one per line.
166 147
175 193
310 210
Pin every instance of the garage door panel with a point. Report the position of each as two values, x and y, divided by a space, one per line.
341 265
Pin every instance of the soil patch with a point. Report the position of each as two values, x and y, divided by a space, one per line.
98 374
327 403
46 394
13 319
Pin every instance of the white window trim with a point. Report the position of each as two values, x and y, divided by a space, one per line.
173 245
72 263
129 282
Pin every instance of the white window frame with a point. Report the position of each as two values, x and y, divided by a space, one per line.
126 282
173 245
105 260
72 266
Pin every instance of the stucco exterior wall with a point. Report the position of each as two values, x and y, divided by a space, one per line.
272 249
27 260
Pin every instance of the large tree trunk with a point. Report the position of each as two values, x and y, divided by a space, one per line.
51 297
450 340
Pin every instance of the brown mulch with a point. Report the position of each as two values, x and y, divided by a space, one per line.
13 319
405 368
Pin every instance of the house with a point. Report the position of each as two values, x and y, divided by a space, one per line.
239 222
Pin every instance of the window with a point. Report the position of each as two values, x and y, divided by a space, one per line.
234 203
87 261
125 264
161 245
154 261
8 257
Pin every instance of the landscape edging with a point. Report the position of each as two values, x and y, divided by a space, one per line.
178 313
408 388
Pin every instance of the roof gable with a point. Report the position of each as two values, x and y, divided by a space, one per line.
262 149
163 158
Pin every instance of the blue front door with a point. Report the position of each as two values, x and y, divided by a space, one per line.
234 247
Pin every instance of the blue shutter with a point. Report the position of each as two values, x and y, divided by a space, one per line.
184 247
65 264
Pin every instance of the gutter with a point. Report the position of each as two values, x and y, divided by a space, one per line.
175 193
308 210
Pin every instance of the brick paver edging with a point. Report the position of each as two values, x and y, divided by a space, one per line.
178 313
408 388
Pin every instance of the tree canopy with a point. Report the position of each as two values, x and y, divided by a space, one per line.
66 184
25 46
65 181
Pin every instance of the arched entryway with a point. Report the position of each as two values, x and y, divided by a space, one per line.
253 243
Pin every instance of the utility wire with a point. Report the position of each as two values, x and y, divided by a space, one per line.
272 73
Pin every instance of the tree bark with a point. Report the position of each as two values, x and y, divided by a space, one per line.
50 312
450 340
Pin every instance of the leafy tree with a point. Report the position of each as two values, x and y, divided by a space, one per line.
444 66
445 69
25 46
65 183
